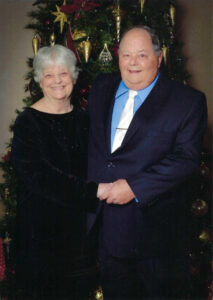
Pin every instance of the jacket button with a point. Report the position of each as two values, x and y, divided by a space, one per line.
110 165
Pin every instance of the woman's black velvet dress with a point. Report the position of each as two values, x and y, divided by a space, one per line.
49 155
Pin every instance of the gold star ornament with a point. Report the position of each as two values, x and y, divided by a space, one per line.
60 17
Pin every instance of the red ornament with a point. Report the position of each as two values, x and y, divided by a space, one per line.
83 103
84 96
6 157
47 22
115 50
84 91
2 261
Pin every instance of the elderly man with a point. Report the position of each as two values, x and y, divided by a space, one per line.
145 141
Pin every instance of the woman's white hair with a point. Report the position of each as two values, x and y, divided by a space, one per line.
59 54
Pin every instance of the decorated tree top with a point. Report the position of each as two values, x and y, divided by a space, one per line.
92 29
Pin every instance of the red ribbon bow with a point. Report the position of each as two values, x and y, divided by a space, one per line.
84 5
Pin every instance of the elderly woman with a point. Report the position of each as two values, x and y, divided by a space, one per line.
49 155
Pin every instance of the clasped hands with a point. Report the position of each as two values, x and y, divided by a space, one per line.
117 192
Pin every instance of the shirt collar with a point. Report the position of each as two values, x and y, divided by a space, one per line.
122 89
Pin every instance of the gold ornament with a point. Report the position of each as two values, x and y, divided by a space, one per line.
172 12
85 48
52 39
199 207
60 17
118 13
165 51
205 236
80 47
142 2
78 34
35 44
99 294
105 55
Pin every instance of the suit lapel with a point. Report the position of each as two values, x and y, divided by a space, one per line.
111 100
148 109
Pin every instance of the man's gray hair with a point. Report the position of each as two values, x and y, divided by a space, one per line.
59 54
154 38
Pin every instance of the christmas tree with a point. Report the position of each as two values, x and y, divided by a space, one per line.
92 29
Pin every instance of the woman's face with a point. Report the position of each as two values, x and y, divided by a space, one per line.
56 82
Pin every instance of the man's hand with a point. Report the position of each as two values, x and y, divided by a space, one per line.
118 193
103 187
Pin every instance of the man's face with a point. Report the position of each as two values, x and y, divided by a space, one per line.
137 60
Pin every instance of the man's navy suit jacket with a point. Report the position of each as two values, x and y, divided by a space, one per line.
160 150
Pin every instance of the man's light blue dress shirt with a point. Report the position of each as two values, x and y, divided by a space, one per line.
121 98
